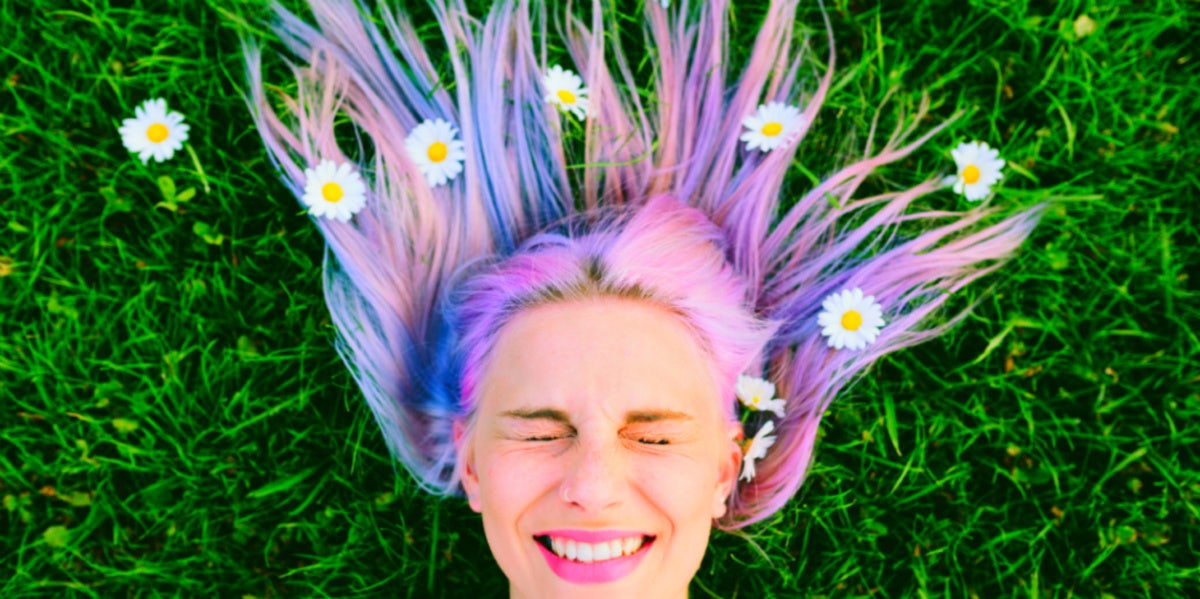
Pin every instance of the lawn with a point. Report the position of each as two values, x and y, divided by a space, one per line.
174 418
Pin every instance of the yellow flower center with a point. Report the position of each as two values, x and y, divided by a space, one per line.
970 174
566 97
438 151
332 192
772 129
156 133
754 400
851 320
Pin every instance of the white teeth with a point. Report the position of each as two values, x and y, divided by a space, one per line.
595 552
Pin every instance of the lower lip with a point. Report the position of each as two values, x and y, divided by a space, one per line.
595 572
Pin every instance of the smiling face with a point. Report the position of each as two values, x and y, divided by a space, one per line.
599 455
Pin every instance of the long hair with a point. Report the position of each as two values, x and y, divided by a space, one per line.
397 274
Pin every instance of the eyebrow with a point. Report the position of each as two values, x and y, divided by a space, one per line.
636 417
538 414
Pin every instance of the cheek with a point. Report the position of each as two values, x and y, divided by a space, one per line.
510 488
510 482
681 492
680 487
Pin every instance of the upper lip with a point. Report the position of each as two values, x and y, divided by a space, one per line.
591 536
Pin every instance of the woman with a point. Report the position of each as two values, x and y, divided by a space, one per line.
590 311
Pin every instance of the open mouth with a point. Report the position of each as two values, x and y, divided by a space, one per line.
590 553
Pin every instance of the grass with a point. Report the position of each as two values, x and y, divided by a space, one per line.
175 421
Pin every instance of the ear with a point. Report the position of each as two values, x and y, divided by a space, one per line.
728 469
466 463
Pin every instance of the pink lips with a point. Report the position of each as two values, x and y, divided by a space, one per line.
596 572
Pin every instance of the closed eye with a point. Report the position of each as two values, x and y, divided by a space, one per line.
649 441
544 438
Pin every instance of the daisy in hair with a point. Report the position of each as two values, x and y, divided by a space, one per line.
774 125
437 152
850 320
334 191
758 395
757 448
565 89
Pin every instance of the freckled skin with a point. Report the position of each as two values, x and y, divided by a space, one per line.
594 363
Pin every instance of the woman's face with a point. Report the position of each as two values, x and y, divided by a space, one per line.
600 455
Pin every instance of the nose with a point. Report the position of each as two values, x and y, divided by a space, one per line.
597 478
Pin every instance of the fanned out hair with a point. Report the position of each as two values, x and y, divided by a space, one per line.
665 205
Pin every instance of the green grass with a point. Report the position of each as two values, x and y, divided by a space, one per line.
174 419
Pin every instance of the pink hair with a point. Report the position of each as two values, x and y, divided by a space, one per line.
419 282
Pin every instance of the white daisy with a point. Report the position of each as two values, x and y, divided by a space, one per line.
757 448
154 132
978 169
334 191
850 320
774 125
433 147
758 395
565 89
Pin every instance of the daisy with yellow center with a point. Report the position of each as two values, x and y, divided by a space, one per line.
153 132
565 89
758 395
334 191
850 320
432 145
757 448
978 169
774 125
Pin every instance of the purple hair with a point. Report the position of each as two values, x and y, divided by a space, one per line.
664 253
668 207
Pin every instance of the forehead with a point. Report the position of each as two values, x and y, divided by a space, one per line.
609 354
